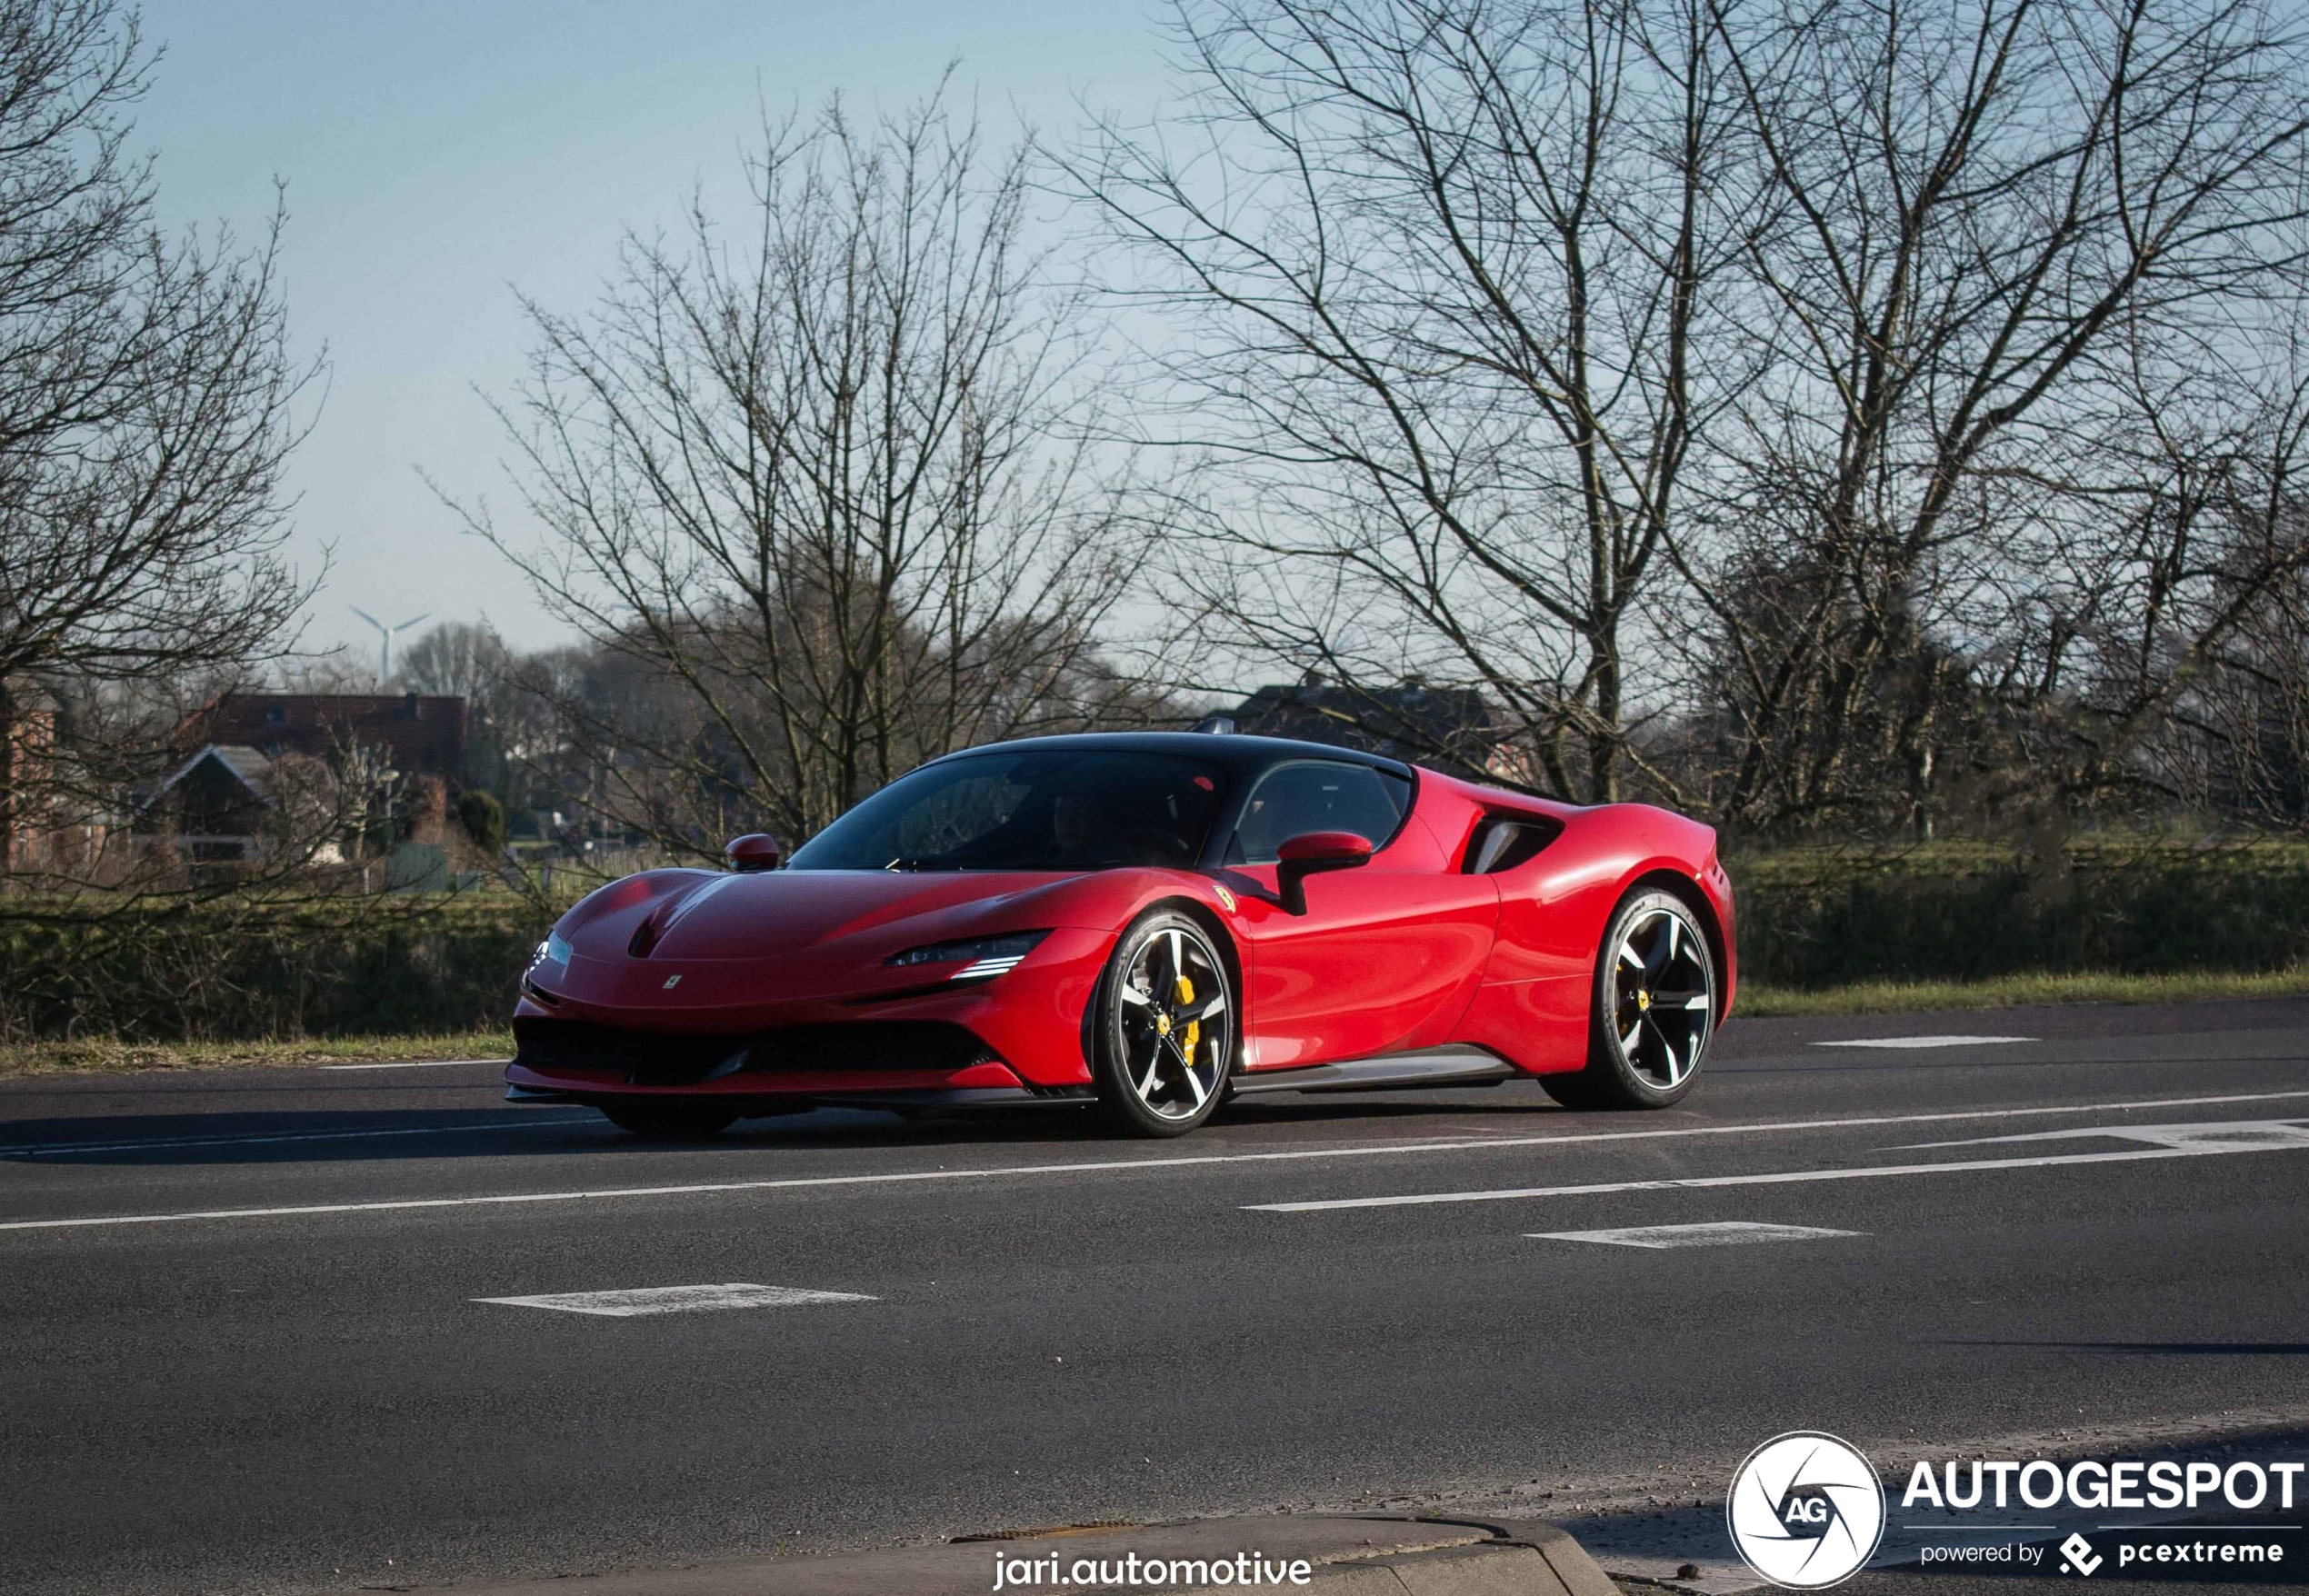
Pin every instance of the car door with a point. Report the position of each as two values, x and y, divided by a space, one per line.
1386 956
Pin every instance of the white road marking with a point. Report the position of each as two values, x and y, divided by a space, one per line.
2208 1147
522 1122
414 1064
2213 1135
1729 1233
1128 1166
1923 1041
634 1304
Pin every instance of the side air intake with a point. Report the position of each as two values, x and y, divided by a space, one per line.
1502 843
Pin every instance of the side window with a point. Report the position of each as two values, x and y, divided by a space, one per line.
1315 795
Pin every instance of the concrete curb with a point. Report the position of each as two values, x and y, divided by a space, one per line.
1347 1555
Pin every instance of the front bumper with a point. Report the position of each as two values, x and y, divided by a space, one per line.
1020 1032
561 1059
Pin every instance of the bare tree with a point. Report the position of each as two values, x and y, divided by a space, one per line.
1758 401
2236 744
146 394
455 659
2173 664
823 489
2015 299
1443 274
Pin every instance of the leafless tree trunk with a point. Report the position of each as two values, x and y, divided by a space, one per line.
822 492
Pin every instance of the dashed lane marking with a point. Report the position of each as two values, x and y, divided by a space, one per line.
648 1299
1923 1041
1726 1232
2215 1135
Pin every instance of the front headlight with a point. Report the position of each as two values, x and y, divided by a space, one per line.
982 958
553 949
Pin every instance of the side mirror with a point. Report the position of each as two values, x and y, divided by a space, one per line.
754 851
1313 853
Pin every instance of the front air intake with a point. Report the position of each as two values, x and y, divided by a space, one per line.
654 1059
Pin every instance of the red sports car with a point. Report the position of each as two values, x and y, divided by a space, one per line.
1153 923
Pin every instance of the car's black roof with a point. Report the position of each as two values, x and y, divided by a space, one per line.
1230 749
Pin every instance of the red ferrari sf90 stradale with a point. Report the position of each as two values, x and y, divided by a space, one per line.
1152 922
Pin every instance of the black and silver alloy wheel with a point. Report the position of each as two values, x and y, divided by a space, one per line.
1654 1008
1663 995
1166 1031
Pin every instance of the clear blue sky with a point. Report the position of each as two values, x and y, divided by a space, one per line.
436 155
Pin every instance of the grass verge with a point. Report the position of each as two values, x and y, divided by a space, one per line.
106 1056
2006 991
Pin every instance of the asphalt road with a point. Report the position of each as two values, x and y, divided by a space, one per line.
281 1372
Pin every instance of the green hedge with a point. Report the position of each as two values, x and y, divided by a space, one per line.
361 967
411 963
1955 914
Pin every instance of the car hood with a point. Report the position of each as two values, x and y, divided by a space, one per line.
693 915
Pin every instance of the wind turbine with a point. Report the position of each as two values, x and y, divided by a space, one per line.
386 635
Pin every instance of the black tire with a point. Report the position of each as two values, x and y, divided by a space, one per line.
669 1121
1652 1010
1573 1089
1163 1050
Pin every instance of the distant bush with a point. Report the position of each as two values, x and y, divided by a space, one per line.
484 820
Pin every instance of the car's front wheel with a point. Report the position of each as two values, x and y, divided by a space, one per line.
1655 1009
686 1121
1164 1041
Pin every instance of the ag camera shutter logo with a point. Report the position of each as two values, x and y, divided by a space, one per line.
1806 1510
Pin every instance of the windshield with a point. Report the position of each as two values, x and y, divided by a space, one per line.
1075 809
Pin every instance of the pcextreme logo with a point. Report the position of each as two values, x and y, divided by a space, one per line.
1806 1510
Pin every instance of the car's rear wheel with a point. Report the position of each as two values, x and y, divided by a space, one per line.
1654 1011
1164 1041
686 1122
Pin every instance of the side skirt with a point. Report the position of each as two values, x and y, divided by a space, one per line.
1409 1072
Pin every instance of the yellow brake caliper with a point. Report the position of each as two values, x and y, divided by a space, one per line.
1185 991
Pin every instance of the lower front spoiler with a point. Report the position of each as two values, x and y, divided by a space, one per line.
788 1103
